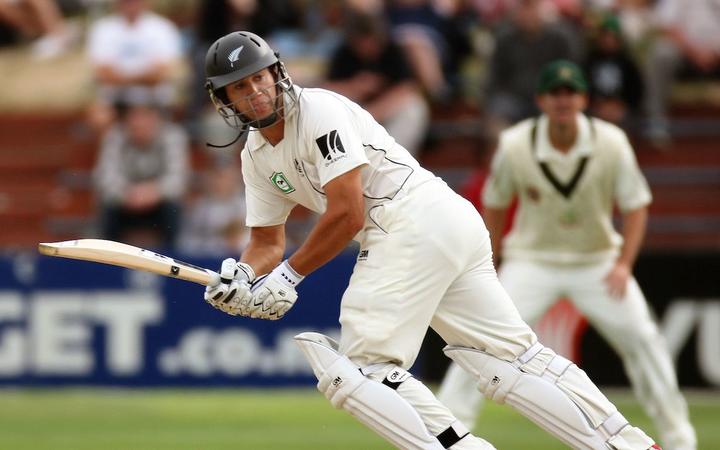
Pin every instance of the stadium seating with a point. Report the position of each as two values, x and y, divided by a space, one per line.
46 161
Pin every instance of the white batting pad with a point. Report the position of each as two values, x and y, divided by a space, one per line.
555 394
375 405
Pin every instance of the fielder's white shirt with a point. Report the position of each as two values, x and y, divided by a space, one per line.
326 135
574 226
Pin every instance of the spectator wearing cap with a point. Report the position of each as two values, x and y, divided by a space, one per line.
141 176
615 82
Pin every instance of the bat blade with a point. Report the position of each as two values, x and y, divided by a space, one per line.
131 257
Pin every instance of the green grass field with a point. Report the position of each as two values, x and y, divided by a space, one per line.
249 419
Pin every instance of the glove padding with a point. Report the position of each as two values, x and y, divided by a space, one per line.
274 294
230 293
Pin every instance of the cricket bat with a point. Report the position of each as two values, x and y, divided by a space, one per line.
124 255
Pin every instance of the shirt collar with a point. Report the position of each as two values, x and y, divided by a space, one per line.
583 144
255 140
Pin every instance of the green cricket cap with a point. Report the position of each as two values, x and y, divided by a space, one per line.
561 73
611 23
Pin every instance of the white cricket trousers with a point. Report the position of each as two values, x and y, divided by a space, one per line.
427 263
625 323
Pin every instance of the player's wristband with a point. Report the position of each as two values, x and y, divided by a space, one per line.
288 275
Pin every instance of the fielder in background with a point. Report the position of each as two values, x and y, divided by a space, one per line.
424 260
567 171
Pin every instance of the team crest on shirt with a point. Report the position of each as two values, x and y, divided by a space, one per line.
281 182
533 193
331 147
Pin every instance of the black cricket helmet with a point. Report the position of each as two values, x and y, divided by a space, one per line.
236 56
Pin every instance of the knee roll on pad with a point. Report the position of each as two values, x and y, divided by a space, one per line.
555 394
374 404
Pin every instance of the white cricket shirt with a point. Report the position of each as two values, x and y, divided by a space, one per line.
325 136
564 210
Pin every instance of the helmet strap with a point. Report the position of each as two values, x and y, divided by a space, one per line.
237 138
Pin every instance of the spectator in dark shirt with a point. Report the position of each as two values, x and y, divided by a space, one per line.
615 81
370 69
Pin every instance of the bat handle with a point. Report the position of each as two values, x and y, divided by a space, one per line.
214 278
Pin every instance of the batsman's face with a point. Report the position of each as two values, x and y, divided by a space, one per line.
254 97
562 105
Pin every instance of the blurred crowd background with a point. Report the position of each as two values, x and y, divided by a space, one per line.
105 125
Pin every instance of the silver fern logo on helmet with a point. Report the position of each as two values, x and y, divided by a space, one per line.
235 55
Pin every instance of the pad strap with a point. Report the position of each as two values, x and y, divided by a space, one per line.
614 423
396 377
453 434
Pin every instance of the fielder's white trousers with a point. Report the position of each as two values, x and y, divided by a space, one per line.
625 323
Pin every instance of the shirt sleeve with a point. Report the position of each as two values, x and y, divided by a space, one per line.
264 207
631 187
499 188
338 147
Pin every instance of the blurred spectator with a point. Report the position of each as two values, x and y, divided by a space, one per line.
570 17
215 223
371 69
433 40
132 53
490 12
522 48
635 19
39 19
689 45
141 174
616 85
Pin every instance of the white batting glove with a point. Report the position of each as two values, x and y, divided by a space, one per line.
274 294
232 291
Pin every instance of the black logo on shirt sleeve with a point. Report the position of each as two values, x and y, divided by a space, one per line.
330 144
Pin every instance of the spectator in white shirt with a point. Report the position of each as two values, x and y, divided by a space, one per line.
132 53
